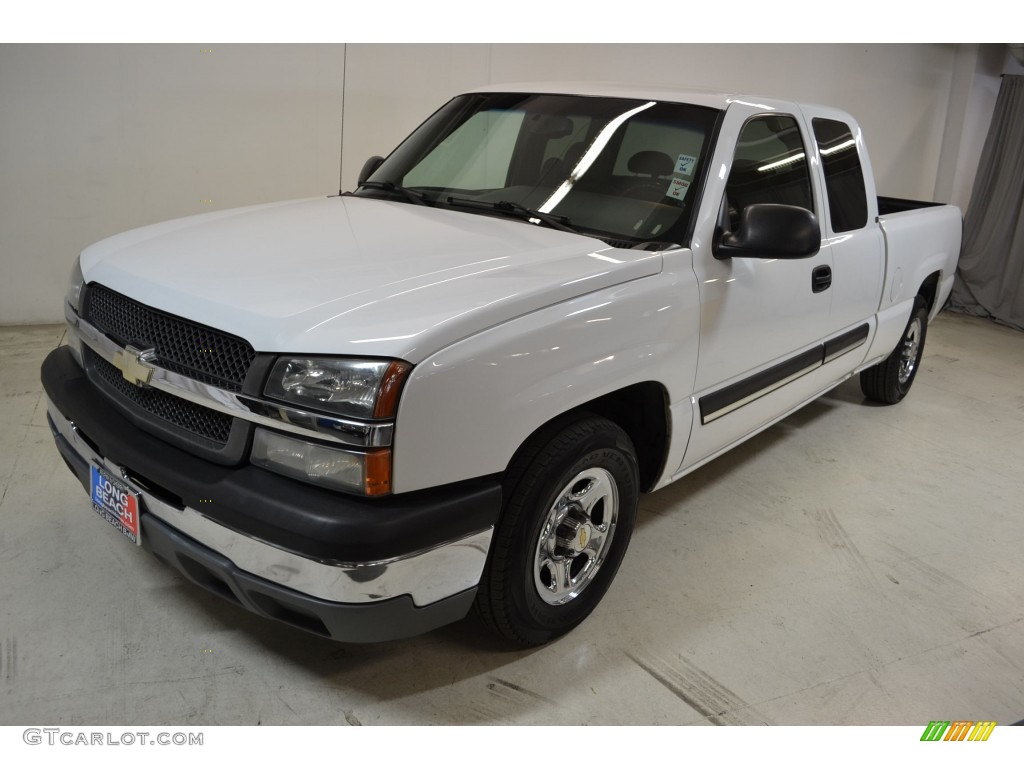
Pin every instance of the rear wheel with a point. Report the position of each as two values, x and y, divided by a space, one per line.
570 507
890 380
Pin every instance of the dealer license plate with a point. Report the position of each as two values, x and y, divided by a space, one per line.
116 503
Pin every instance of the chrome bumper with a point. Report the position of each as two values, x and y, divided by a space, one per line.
427 577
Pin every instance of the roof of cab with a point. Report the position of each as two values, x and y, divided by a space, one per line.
704 98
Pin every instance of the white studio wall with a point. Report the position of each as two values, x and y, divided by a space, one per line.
98 139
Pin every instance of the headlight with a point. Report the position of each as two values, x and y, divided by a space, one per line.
366 473
74 294
362 389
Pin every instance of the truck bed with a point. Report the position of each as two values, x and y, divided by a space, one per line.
920 240
887 205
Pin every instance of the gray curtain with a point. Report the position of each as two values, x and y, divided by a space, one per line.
990 278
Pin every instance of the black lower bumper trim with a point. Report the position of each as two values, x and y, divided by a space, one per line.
349 622
294 516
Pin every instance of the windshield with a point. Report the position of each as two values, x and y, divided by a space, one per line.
618 169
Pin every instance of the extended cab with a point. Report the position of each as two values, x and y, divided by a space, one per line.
363 414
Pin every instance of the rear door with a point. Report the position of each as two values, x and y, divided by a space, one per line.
848 222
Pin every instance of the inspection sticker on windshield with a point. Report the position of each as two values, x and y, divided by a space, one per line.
115 503
677 188
685 164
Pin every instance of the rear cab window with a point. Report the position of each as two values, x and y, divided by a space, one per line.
844 176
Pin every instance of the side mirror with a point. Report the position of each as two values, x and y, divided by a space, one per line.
771 231
369 167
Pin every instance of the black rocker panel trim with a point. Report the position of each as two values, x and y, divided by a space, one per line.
844 342
725 400
718 403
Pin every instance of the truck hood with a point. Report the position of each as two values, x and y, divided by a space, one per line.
355 276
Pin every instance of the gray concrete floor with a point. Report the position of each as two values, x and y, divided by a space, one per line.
851 565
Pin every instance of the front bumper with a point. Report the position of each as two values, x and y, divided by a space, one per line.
358 570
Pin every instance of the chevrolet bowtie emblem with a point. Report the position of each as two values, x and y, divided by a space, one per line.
134 365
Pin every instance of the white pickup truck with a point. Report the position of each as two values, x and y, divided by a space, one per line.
364 414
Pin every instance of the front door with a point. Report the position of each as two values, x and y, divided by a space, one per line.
761 318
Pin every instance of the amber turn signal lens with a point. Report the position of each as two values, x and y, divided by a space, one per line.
378 473
390 389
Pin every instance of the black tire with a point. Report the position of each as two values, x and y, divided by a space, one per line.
890 380
572 485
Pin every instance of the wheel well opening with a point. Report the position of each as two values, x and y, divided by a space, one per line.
641 411
929 292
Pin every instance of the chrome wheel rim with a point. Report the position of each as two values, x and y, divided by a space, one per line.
911 346
576 535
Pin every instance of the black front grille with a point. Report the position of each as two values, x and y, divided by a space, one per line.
195 419
188 348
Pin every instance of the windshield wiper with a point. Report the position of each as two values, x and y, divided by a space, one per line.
389 186
520 211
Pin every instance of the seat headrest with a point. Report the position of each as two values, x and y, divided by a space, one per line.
651 163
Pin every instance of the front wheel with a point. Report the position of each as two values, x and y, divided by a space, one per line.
890 380
570 507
